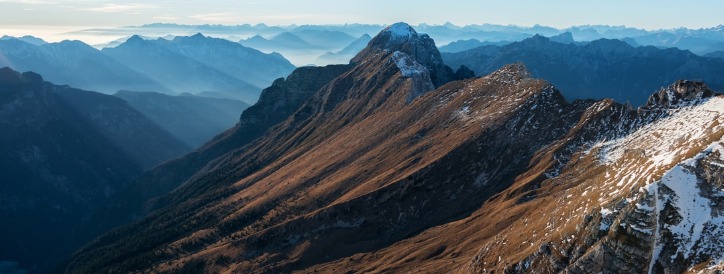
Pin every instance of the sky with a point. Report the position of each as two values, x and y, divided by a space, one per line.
57 16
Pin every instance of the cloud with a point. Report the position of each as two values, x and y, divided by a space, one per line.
225 17
217 17
122 8
164 17
33 2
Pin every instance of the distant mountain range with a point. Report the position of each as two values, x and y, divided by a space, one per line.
27 39
202 64
463 45
305 44
699 41
76 64
344 55
195 64
603 68
64 152
192 119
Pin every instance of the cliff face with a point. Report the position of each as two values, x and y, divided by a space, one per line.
285 96
420 47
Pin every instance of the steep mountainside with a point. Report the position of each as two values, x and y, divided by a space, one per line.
600 69
390 167
626 191
191 119
64 151
333 124
74 63
276 103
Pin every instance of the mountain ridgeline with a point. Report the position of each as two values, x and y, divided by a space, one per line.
275 104
394 163
194 64
76 64
199 64
600 69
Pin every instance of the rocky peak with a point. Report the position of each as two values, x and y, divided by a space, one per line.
511 73
196 38
609 45
135 39
564 38
401 37
400 30
681 92
8 75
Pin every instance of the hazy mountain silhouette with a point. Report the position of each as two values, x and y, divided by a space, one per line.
344 55
599 69
65 151
201 64
192 119
74 63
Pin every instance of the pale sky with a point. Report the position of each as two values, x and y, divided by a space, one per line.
22 15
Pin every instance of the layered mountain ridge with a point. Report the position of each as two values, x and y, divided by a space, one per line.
193 64
74 63
198 64
192 119
64 152
603 68
389 166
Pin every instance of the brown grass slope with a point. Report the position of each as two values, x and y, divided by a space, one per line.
276 103
356 159
550 219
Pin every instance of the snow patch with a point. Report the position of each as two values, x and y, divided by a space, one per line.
659 140
693 208
420 75
699 230
401 30
656 147
407 65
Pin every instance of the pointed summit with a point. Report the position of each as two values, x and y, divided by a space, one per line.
680 93
135 39
400 30
511 73
419 47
